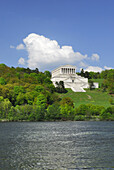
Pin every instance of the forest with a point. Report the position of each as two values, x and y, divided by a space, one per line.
29 95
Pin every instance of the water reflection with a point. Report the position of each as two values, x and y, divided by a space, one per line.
56 145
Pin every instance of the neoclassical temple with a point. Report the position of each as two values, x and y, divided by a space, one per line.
67 74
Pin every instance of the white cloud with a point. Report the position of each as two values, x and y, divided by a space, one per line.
45 53
21 61
108 68
93 68
20 47
11 46
95 57
82 64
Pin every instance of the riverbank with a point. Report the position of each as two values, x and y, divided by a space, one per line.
94 119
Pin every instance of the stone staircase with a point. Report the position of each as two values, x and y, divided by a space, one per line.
75 88
78 89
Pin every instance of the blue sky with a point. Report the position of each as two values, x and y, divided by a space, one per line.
83 31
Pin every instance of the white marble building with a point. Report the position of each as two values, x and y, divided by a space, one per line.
67 74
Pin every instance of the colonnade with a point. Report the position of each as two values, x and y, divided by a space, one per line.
67 70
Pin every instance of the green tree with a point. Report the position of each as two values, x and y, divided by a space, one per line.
29 98
48 74
66 112
2 81
36 70
53 112
38 113
47 81
60 87
111 101
91 85
21 99
81 110
18 75
41 100
40 89
105 115
18 89
50 88
4 108
82 73
12 114
68 101
1 98
110 82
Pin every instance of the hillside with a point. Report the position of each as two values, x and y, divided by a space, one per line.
29 95
95 97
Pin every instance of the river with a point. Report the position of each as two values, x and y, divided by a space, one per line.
56 145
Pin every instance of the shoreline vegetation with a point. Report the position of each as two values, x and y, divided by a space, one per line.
29 95
92 120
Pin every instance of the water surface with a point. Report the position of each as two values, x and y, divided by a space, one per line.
56 145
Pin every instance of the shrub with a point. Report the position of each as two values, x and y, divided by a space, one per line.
68 101
105 115
53 112
111 101
2 81
79 118
66 112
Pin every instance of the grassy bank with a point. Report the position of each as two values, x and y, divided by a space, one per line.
95 97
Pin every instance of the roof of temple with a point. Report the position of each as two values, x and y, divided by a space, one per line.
65 66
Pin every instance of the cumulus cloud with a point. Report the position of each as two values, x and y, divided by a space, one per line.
108 68
93 68
82 64
45 53
20 47
95 57
21 61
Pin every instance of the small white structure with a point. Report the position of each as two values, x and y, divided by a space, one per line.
95 85
67 74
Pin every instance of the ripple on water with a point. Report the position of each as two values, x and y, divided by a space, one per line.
57 145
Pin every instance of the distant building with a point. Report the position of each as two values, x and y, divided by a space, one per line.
67 74
95 85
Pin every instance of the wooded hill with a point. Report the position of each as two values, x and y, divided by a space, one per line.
27 94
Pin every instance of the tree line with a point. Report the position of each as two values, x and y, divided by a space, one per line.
106 75
58 111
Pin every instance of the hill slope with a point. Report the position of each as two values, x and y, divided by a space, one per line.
95 97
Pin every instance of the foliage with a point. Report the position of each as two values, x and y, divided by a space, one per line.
41 100
89 75
66 112
29 95
108 83
53 112
2 81
68 101
60 87
5 106
37 114
111 101
91 84
48 74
